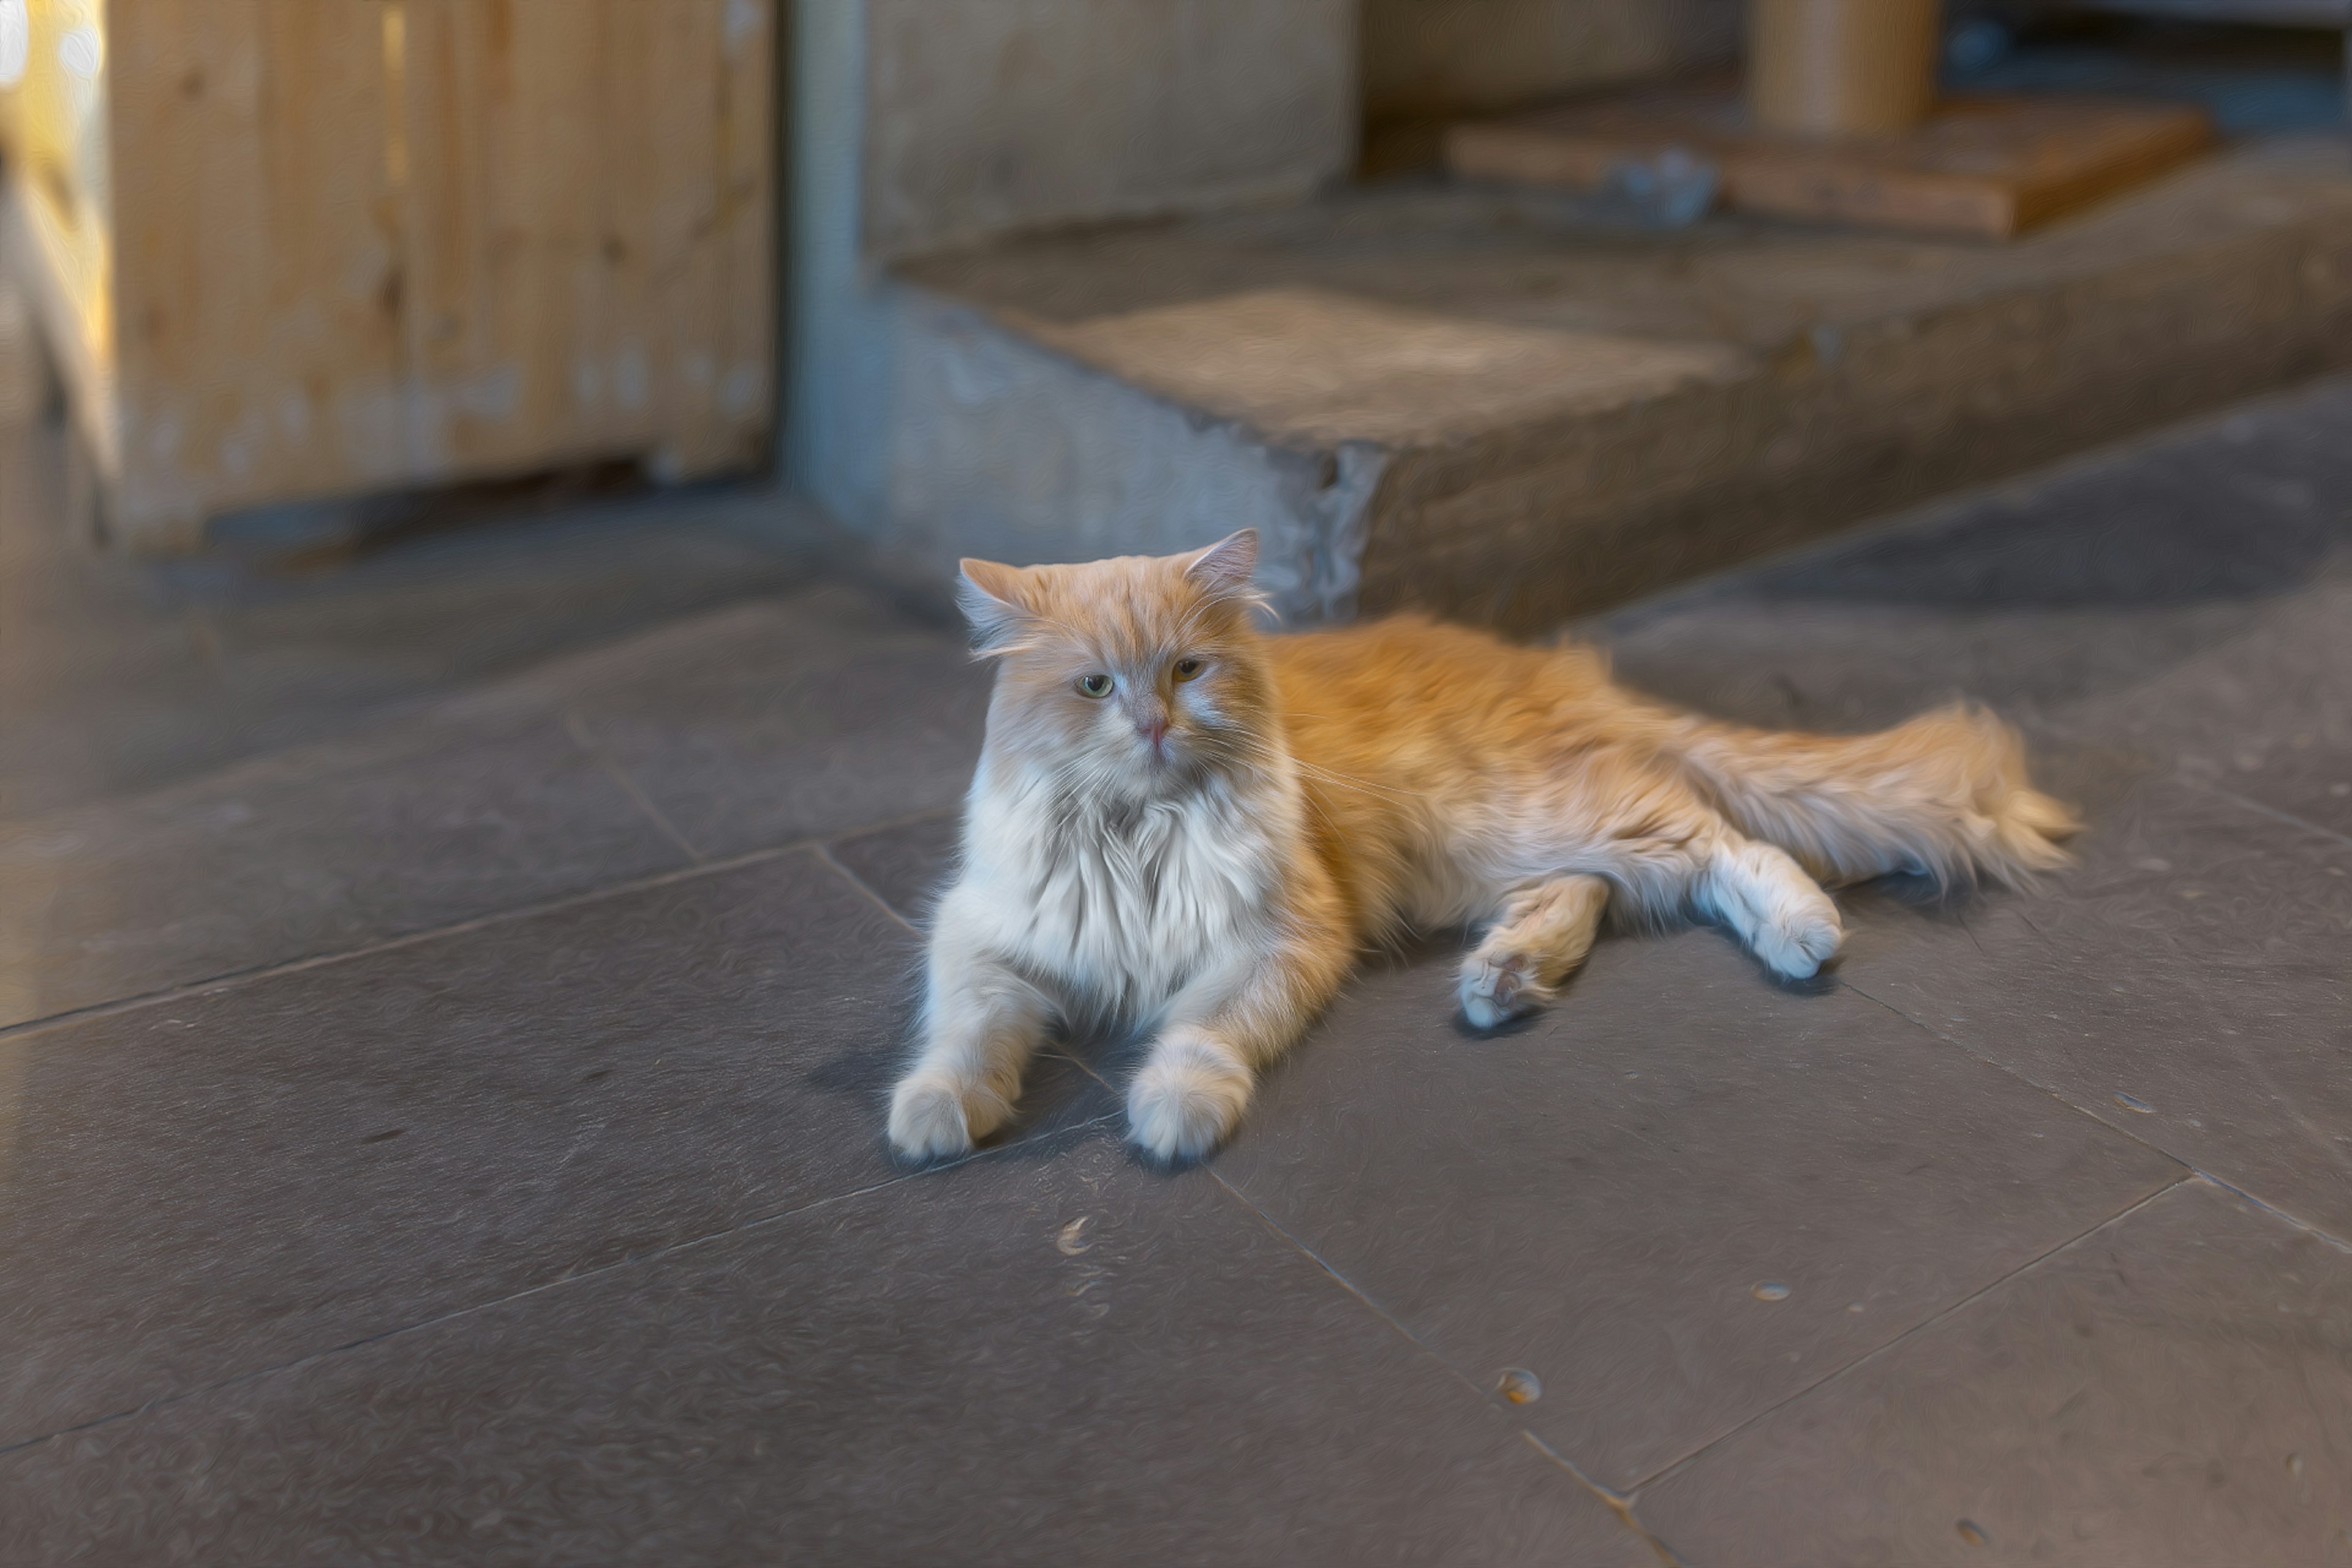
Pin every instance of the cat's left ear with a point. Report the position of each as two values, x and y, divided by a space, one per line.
1225 568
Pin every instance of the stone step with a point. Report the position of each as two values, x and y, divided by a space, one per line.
1482 404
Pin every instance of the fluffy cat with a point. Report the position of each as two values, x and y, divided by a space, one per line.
1184 823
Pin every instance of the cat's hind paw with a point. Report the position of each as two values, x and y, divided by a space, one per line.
1497 987
1782 914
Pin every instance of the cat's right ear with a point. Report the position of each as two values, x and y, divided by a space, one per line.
995 601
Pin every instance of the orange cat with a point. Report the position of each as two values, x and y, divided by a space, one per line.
1185 823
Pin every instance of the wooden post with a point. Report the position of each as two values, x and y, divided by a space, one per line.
1842 67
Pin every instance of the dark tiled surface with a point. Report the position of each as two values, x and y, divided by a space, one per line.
907 865
315 851
787 718
1596 1197
2175 1388
2198 963
272 1169
121 677
571 1237
2182 596
1044 1356
2266 717
751 726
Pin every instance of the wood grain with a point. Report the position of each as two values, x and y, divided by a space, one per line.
379 243
1982 166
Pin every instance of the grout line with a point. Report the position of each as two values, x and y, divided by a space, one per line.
471 1308
2150 1144
2272 1209
230 979
1925 1324
2014 1075
1618 1502
1391 1318
2234 799
667 1249
577 728
825 853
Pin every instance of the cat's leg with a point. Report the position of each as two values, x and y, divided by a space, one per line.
1769 903
1541 935
1202 1068
982 1023
1667 852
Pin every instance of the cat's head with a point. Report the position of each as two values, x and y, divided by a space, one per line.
1141 676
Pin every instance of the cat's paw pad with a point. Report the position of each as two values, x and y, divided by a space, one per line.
932 1117
1796 942
1186 1098
1499 988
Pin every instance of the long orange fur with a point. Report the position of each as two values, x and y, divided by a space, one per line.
1205 846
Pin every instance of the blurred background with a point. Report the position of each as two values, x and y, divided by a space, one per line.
1073 276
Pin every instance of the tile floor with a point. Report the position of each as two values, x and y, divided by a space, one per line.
446 1006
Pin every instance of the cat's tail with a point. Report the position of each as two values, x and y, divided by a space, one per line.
1946 795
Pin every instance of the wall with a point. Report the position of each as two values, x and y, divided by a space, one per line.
988 115
921 124
1442 57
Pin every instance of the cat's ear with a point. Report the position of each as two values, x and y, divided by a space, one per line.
996 600
1227 567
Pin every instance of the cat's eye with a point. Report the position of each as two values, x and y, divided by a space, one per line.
1095 685
1186 668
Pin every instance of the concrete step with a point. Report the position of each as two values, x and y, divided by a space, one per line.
1481 403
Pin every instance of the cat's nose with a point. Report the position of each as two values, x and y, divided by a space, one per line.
1154 729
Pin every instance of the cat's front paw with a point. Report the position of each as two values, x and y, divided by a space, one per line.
934 1116
1189 1093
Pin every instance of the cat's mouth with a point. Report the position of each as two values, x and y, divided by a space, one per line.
1164 764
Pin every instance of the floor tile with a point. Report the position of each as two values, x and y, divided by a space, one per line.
1050 1355
235 1178
2187 982
2174 1391
907 865
1840 667
1680 1197
121 677
787 720
2266 716
419 823
2108 590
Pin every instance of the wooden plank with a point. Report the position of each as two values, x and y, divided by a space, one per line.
325 401
500 148
256 346
408 241
1982 166
581 268
747 236
662 218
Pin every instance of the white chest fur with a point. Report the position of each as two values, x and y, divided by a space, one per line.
1122 902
